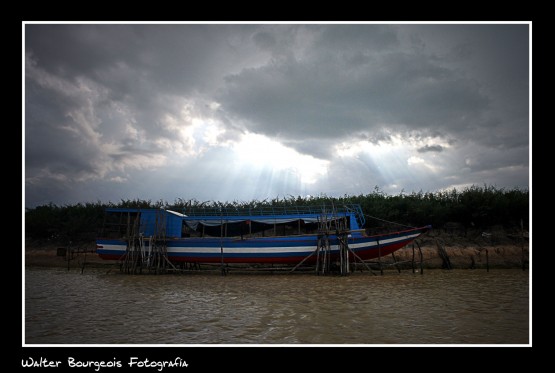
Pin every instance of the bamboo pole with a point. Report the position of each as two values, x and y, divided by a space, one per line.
222 243
302 261
395 261
446 262
412 257
84 262
421 258
317 255
362 261
325 255
380 257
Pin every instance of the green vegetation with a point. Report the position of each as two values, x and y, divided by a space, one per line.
476 207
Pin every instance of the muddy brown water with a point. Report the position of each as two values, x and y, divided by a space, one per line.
439 307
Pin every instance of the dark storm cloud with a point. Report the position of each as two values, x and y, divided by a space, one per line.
264 40
334 89
99 97
107 103
430 148
149 70
341 90
53 137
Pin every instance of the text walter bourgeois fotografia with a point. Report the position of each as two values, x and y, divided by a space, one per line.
132 362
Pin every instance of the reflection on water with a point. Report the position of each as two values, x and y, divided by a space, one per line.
460 307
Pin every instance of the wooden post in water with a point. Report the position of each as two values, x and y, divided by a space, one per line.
413 257
318 255
487 260
222 243
323 260
446 262
342 271
421 258
380 257
327 254
84 262
343 238
395 261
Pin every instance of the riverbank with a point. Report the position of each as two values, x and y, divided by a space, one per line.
460 253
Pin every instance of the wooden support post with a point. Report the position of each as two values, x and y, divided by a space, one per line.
362 261
421 258
343 255
84 262
395 261
222 245
380 257
446 262
317 255
302 261
128 230
413 257
487 261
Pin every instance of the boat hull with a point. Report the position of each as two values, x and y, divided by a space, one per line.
275 250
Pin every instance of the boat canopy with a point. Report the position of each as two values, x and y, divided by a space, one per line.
268 215
151 219
194 222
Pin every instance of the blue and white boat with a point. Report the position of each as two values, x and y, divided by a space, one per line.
280 235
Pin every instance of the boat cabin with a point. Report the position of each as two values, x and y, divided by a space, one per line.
239 223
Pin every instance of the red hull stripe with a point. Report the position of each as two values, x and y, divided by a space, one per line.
368 249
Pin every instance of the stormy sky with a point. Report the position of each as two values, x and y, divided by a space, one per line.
227 112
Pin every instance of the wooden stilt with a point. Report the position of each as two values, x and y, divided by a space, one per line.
84 262
395 261
446 262
421 258
362 261
323 258
380 257
304 260
412 257
68 254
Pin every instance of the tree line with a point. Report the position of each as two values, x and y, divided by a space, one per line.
472 207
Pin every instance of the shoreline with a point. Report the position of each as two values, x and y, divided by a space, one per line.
460 256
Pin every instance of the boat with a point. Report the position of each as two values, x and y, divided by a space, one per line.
272 235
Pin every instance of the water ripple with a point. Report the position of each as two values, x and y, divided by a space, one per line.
461 306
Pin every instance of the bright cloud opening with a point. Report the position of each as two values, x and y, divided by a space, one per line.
261 152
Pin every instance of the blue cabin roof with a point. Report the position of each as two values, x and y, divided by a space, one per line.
152 220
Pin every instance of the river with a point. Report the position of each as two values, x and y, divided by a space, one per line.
439 307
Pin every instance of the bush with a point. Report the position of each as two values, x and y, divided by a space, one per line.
478 207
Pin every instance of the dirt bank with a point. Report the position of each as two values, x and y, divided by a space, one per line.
470 251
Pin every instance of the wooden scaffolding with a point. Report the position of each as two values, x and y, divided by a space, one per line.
146 253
